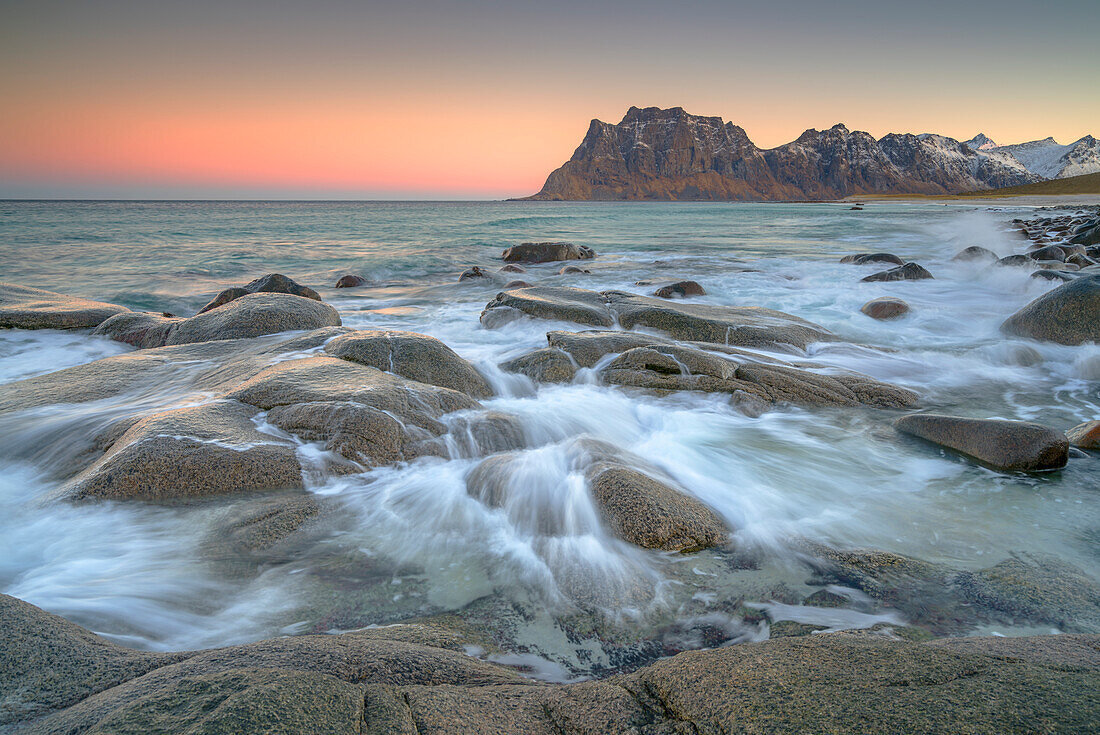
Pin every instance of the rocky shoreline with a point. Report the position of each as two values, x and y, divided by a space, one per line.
247 398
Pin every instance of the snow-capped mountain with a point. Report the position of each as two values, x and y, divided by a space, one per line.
981 142
670 154
1051 160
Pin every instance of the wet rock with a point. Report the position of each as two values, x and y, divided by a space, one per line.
474 273
411 355
32 308
271 283
1006 446
351 281
1049 275
546 365
907 272
1069 315
1087 237
791 629
142 329
885 307
545 252
516 284
1051 252
1079 260
825 598
512 268
212 449
499 316
487 432
1017 261
267 530
47 663
572 269
254 315
1085 436
552 302
976 252
680 289
866 258
651 514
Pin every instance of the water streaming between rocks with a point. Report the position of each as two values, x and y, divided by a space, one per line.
410 541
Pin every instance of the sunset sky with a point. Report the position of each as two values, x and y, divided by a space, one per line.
415 99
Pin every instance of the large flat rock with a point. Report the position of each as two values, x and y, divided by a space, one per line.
32 308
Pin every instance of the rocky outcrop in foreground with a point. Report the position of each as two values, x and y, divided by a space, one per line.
33 308
672 155
1013 446
57 677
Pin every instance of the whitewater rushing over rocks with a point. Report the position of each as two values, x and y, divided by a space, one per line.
841 437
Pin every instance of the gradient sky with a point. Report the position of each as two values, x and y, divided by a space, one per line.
481 99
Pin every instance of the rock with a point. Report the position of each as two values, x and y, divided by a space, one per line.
512 268
416 678
743 326
651 514
1085 436
1006 446
142 329
1015 261
546 365
1087 237
856 209
571 269
212 449
865 258
32 308
681 289
260 531
907 272
351 281
271 283
1048 275
1050 252
474 273
976 252
791 629
1069 315
825 598
545 252
885 307
253 315
487 432
415 356
552 302
516 284
1079 260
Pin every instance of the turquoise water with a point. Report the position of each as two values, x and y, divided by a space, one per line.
841 477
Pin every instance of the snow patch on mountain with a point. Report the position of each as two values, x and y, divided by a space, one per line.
1051 160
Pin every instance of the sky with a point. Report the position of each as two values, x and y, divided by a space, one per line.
482 99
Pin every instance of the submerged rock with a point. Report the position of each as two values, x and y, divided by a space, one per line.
680 289
1007 446
1017 261
866 258
907 272
411 355
512 268
32 308
271 283
1068 315
516 284
545 252
546 365
350 281
572 269
885 307
474 273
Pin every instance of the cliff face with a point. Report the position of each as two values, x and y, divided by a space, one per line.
672 155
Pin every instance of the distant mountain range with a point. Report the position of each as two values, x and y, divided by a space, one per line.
673 155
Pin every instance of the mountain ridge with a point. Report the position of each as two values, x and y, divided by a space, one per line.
670 154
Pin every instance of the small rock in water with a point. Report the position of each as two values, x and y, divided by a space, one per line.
473 273
865 258
350 281
1051 252
512 268
976 252
1015 260
517 284
546 252
1052 275
566 270
271 283
1068 315
885 307
1085 436
825 598
680 289
1007 446
907 272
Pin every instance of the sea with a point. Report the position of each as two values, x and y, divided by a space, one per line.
137 573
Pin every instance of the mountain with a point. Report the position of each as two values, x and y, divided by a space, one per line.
1051 160
981 142
670 154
